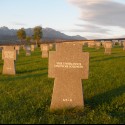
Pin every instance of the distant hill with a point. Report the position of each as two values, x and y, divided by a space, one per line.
48 34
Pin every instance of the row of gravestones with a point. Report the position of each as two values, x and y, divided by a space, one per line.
68 65
9 55
107 45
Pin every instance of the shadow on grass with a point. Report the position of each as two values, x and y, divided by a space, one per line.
109 58
27 62
31 71
106 97
23 77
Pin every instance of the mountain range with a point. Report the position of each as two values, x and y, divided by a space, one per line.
48 34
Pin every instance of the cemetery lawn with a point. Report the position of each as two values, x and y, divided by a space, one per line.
26 97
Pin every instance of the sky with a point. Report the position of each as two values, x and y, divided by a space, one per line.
88 18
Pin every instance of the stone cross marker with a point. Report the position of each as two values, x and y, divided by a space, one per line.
124 45
9 57
108 47
68 65
17 48
45 50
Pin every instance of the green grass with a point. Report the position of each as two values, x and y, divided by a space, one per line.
26 97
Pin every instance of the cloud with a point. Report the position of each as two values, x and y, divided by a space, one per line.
101 12
92 28
19 24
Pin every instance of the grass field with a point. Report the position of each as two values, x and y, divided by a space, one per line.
26 97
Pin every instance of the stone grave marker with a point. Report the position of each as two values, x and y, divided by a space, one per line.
50 46
28 50
124 45
91 44
120 42
98 45
32 48
114 42
9 57
17 48
103 42
108 47
45 50
68 65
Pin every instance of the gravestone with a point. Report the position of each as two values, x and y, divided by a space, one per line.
9 57
103 42
120 42
124 45
68 65
108 47
115 42
17 48
32 48
28 50
50 46
98 45
91 44
45 50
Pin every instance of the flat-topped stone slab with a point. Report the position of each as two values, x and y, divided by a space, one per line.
45 50
91 44
32 48
9 57
17 48
123 45
108 47
97 44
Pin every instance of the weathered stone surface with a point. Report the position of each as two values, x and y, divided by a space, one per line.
50 46
68 65
98 45
91 44
124 45
9 57
45 50
32 48
108 47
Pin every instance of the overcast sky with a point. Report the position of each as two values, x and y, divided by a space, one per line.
88 18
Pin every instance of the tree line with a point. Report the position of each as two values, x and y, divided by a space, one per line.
37 35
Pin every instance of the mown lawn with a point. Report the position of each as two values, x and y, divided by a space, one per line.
26 97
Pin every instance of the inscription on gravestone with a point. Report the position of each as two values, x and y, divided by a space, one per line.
45 50
9 57
108 47
68 65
